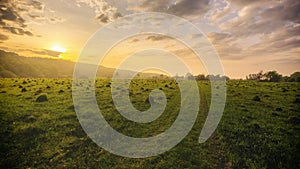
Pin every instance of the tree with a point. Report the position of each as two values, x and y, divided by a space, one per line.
226 78
295 77
285 78
200 77
189 76
273 76
258 76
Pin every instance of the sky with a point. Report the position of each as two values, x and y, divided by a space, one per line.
249 35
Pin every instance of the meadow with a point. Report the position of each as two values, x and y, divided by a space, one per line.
260 127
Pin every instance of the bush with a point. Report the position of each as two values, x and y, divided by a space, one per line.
42 98
256 98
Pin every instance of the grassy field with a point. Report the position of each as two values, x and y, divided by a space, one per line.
260 127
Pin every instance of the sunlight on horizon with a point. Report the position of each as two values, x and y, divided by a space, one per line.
58 48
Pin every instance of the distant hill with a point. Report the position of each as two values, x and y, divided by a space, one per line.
13 65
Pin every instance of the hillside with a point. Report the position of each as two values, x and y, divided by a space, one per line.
12 65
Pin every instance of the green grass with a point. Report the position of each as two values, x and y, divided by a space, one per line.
253 133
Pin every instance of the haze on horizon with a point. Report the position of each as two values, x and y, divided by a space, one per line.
249 35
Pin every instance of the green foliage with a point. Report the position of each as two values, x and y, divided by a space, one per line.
201 77
295 77
273 76
256 76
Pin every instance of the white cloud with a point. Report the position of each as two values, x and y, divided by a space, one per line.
105 13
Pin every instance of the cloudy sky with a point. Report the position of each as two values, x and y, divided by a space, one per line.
249 35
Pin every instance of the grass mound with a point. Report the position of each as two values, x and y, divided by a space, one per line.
42 98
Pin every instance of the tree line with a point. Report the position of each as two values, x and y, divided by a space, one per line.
273 76
270 76
210 77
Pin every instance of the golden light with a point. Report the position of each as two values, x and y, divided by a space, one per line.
58 48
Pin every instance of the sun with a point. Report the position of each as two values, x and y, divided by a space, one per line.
58 48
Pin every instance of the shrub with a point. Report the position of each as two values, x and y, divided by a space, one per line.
256 98
42 98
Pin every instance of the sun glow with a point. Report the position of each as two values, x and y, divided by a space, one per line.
58 48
